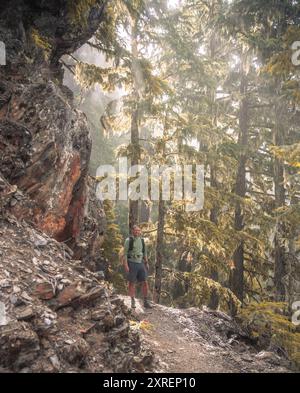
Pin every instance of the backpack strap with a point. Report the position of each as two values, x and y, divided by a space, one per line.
131 240
143 244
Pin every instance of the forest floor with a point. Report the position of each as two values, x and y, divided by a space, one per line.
201 341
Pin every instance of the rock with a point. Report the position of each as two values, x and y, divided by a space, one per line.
39 241
25 313
108 321
69 342
271 357
19 346
5 283
116 300
55 362
98 315
265 355
45 143
89 297
44 291
88 246
67 295
148 358
247 358
47 322
100 275
3 317
218 314
76 352
16 300
119 319
26 297
137 364
118 333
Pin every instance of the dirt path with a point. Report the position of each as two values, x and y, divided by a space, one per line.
174 337
179 352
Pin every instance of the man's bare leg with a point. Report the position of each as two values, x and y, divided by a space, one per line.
131 290
145 289
145 294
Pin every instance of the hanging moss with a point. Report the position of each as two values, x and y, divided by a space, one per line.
41 42
200 290
88 75
78 10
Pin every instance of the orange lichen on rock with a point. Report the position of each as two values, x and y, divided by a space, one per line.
51 224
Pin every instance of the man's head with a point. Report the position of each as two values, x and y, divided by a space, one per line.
136 231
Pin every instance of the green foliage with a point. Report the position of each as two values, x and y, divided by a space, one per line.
112 238
272 321
41 42
78 10
112 246
280 64
188 75
201 289
87 75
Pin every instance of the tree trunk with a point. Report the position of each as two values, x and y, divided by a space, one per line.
214 275
145 211
237 275
134 205
292 281
279 249
159 238
135 118
159 249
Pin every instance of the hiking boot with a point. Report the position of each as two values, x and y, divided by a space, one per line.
132 302
147 304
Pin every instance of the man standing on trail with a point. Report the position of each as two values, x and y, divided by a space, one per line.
136 264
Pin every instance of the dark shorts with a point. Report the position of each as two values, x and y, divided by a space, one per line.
137 272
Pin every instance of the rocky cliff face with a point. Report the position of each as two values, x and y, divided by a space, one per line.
55 315
45 144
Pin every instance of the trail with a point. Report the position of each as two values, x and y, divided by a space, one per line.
202 341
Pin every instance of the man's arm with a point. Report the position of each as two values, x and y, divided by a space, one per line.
146 258
125 262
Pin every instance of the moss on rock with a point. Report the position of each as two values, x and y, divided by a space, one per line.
270 324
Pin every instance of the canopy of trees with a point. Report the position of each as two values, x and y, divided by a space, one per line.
216 83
